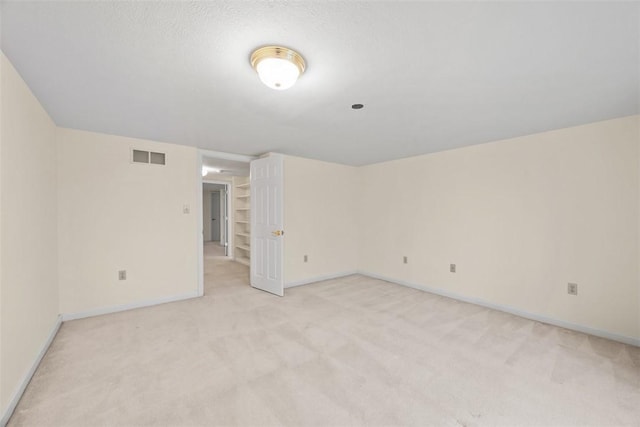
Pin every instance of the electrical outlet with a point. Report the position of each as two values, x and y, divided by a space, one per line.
452 268
405 260
306 258
122 275
572 288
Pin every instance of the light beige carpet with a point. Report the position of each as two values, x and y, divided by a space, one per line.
352 351
213 249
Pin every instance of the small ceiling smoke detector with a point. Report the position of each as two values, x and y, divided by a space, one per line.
278 67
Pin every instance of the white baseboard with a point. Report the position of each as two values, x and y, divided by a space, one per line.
318 279
6 414
507 309
124 307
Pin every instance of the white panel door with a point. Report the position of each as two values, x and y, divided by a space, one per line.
266 224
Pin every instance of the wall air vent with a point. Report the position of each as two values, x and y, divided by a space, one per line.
157 158
141 156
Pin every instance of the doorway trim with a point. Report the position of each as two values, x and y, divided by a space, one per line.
199 181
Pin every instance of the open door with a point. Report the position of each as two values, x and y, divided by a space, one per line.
266 224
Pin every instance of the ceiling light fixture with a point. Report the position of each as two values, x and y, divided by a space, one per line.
278 67
207 169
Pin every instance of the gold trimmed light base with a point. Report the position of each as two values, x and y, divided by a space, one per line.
278 67
279 52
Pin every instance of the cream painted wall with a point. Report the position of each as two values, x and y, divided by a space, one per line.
28 224
637 136
3 59
520 218
118 215
320 205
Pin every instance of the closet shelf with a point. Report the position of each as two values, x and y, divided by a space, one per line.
242 222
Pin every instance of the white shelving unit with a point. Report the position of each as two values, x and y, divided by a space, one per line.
242 219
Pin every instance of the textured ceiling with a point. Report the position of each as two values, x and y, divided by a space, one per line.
432 76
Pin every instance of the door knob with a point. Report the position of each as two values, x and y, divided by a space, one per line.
277 233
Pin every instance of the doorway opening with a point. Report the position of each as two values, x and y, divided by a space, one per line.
215 217
224 242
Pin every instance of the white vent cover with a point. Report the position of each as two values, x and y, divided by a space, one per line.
141 156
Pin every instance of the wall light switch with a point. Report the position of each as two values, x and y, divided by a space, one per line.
405 260
306 258
452 268
122 275
186 209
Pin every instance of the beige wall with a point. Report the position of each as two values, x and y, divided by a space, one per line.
28 223
637 136
520 218
117 215
320 201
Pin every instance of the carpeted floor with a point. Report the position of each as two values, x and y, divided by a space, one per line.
350 351
213 249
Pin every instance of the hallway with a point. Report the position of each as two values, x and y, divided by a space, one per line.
213 249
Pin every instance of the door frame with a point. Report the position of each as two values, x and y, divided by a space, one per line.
228 198
199 181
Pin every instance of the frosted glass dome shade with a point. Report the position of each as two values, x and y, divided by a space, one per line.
279 74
